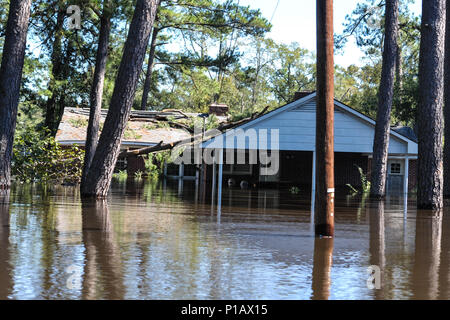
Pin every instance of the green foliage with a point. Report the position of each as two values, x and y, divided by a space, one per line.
293 69
138 175
237 115
197 123
122 175
79 122
358 87
353 190
294 190
131 134
154 163
365 183
38 157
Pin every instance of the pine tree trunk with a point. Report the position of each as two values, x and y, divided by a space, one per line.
52 105
399 70
148 75
10 80
430 111
447 108
385 98
100 173
97 91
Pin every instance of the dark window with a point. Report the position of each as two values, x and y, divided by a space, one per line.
396 168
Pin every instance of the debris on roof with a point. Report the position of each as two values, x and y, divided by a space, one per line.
144 127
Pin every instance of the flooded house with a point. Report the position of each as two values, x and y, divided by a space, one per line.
143 130
271 151
289 131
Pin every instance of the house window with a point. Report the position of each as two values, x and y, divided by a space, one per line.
237 169
396 168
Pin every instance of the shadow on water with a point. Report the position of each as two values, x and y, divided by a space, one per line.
158 240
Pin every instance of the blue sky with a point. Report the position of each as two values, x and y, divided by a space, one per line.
295 21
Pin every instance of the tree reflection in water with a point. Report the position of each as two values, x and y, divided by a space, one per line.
5 269
103 266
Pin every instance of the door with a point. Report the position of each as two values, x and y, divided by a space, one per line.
395 176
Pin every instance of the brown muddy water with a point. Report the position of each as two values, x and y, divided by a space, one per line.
154 241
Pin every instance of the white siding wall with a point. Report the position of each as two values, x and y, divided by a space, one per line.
297 129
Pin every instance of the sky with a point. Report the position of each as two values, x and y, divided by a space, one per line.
295 21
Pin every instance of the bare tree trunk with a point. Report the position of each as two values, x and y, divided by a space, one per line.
148 75
447 108
97 90
430 113
100 173
10 80
385 98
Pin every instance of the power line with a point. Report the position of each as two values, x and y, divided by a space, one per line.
275 10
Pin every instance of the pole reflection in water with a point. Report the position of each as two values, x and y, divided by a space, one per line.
377 241
103 266
425 274
5 270
323 260
444 268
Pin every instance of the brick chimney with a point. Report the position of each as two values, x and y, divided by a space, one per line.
301 94
218 109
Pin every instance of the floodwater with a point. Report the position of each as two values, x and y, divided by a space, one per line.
155 241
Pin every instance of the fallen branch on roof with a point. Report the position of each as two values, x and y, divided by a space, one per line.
180 126
159 147
169 146
230 125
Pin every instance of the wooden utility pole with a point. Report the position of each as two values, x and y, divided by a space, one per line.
324 215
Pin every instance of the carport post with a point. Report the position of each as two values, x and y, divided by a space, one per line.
214 177
219 195
406 176
313 182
